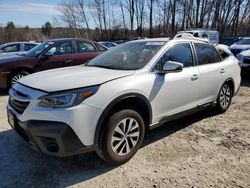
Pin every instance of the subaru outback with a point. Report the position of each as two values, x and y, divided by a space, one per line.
108 104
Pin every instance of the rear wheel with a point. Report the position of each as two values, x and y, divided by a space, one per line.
16 76
122 137
224 98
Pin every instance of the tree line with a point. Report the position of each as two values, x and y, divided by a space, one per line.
153 18
128 19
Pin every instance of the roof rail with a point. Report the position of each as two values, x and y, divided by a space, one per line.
189 36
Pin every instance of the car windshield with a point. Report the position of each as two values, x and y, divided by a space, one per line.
244 41
38 49
127 56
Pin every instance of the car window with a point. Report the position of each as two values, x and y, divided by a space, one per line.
101 48
61 49
180 53
196 34
206 54
223 54
11 48
28 47
108 44
84 47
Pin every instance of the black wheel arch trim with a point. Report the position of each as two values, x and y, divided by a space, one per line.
230 79
112 104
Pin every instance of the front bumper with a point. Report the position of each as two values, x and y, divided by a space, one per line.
49 137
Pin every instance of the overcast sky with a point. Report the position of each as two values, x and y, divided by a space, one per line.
28 12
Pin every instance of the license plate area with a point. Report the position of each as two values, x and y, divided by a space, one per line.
14 123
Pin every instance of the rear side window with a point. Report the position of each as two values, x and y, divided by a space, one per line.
11 48
206 54
223 54
28 47
84 47
180 53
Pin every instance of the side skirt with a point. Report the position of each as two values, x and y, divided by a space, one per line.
182 114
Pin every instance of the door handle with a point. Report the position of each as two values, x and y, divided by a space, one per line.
222 71
68 60
194 77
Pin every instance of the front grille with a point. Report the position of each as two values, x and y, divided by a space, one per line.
246 61
235 51
19 106
18 101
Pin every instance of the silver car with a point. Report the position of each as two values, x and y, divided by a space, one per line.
14 47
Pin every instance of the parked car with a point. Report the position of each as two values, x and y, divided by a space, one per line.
241 45
48 55
108 44
13 47
228 40
107 105
211 35
244 59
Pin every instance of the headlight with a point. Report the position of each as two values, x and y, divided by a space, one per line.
67 99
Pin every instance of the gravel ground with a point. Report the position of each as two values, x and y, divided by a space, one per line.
200 150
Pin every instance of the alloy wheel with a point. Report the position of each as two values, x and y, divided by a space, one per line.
125 136
225 96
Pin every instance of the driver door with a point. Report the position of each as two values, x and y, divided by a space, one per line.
59 55
176 92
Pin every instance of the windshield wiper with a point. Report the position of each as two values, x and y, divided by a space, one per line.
101 66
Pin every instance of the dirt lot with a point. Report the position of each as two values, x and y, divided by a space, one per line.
201 150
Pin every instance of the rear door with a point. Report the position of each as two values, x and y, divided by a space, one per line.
28 46
59 55
212 72
84 51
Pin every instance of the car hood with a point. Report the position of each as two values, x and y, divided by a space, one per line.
71 78
239 46
11 58
245 53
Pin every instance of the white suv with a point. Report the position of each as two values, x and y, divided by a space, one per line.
107 105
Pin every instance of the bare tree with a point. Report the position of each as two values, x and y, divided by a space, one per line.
139 13
123 18
151 4
131 10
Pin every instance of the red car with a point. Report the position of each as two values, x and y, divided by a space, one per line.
50 54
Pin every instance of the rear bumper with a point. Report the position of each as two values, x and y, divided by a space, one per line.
48 137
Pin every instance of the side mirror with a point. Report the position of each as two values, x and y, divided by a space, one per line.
172 66
45 56
48 54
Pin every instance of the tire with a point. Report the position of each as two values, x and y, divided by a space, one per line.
224 98
119 143
16 76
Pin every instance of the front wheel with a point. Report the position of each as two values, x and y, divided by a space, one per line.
122 137
224 98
